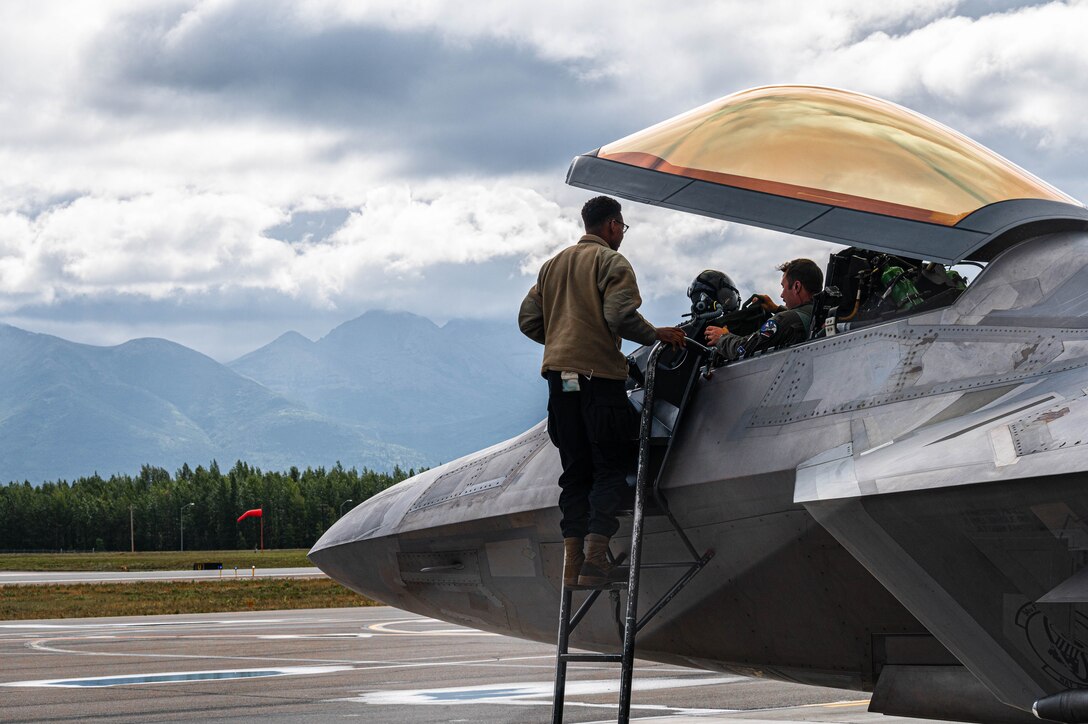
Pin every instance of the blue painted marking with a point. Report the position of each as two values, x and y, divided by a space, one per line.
166 678
178 676
473 694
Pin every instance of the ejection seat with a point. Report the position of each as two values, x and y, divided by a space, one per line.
878 287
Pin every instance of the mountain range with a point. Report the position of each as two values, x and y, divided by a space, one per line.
381 390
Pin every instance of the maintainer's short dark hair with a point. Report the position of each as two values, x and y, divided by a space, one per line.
598 210
806 272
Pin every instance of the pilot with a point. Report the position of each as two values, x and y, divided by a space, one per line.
801 281
584 301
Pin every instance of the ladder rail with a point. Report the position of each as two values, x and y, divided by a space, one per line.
560 686
633 577
632 623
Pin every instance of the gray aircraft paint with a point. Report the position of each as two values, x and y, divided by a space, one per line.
887 505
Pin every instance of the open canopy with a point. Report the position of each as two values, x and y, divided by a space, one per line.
830 164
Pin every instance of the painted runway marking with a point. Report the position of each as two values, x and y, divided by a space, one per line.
315 637
749 712
840 704
144 624
44 645
175 677
386 628
540 693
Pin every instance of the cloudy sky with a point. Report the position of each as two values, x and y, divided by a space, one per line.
218 172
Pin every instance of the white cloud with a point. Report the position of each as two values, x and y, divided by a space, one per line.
399 232
405 230
153 245
1024 71
133 173
172 243
669 248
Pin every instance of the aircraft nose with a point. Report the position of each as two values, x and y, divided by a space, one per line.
454 523
359 550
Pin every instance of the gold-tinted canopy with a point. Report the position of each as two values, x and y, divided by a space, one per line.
832 147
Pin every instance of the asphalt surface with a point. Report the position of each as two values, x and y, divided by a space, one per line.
39 577
362 664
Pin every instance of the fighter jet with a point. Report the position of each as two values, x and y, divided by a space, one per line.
898 505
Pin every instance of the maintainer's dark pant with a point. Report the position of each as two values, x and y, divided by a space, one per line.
594 429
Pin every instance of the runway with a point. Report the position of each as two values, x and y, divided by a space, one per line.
41 577
361 664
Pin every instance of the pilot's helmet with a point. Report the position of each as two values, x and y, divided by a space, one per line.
713 294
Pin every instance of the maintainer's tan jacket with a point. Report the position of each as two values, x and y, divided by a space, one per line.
584 300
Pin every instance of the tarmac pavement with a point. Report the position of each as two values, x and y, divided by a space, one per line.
373 664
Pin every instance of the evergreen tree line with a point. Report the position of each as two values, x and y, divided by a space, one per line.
94 513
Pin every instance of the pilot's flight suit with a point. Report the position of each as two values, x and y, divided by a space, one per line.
786 327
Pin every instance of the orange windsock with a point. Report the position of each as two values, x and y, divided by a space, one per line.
255 513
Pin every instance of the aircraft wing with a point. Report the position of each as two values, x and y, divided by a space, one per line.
833 165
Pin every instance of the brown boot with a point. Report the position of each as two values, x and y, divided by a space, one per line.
598 570
573 558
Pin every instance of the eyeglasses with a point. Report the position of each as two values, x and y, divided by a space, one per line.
625 226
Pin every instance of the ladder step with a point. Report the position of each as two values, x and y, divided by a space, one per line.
617 585
647 513
613 658
614 586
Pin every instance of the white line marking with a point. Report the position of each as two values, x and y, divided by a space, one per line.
177 677
539 693
460 631
362 664
134 624
314 637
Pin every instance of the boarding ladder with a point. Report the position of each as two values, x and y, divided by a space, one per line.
655 442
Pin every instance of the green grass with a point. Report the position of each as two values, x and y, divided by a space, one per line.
21 602
151 561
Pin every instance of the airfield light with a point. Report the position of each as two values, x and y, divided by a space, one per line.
181 521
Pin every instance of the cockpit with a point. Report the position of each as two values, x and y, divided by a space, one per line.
866 287
908 197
